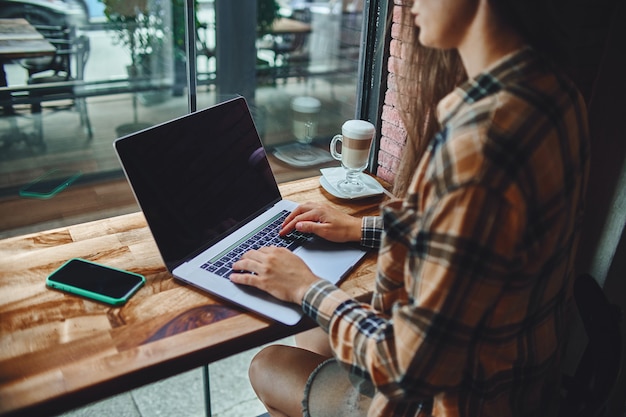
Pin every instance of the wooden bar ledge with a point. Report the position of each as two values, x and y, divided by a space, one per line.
58 351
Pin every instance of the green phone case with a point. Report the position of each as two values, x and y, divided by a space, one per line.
54 283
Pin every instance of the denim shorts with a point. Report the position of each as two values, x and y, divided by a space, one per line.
332 391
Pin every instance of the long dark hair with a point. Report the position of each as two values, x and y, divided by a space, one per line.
424 77
549 26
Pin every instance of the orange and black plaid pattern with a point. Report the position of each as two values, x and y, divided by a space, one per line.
475 266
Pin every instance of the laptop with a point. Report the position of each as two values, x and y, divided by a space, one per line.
205 186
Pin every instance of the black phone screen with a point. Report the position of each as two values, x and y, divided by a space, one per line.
96 281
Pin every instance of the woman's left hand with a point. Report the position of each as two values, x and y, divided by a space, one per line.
276 271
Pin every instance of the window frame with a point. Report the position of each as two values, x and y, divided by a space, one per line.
372 79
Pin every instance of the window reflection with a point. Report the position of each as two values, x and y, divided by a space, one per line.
134 76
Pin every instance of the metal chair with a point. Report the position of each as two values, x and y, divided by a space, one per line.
586 393
291 55
60 37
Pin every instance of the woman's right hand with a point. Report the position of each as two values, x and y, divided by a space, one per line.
323 221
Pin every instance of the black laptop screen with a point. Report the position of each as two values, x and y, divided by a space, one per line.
197 176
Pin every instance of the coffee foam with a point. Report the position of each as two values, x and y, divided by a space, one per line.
357 129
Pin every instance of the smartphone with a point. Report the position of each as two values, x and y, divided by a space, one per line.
95 281
49 184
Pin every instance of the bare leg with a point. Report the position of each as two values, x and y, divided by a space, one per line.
278 375
315 340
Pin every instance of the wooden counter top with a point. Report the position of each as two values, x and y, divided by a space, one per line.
61 351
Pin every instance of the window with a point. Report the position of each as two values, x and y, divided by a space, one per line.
299 73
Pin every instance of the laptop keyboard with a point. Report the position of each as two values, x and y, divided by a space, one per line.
265 235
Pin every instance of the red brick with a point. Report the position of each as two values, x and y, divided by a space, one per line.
395 48
391 98
391 146
391 82
388 161
393 132
386 174
391 115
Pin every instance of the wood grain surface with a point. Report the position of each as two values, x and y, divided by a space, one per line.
19 39
60 351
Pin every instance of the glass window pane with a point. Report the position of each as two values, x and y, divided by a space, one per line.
299 79
297 71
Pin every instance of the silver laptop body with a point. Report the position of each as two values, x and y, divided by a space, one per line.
205 185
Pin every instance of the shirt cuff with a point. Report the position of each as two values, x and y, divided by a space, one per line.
321 300
371 231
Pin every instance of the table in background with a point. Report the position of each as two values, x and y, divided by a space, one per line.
59 351
19 39
285 25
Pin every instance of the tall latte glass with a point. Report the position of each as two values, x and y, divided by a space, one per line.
356 140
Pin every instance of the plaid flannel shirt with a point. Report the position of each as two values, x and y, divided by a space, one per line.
474 276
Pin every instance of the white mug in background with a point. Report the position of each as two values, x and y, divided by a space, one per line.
305 113
356 140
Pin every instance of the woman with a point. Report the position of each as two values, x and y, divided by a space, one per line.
474 275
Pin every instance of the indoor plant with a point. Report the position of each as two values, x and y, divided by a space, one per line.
140 26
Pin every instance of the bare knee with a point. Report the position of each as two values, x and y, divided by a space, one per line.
278 375
262 365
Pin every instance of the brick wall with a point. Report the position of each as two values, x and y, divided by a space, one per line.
393 134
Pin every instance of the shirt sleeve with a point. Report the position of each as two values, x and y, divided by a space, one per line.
371 230
456 258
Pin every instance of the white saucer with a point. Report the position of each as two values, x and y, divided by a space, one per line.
330 177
